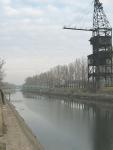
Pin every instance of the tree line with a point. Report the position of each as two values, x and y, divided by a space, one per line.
72 75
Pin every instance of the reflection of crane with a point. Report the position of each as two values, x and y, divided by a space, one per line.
100 61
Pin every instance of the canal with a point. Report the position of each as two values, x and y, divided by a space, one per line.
63 124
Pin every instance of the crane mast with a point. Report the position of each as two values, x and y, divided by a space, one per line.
100 69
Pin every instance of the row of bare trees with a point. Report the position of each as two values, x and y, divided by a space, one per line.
71 75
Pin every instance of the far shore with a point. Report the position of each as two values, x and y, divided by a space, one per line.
89 97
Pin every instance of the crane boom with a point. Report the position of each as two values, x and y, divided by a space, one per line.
78 29
100 62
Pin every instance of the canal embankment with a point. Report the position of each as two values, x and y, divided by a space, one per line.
100 96
14 133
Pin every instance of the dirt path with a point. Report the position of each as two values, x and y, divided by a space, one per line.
16 135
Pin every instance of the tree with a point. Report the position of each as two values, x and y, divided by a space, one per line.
2 62
70 76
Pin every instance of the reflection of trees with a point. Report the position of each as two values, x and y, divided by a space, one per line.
101 118
103 133
29 95
103 124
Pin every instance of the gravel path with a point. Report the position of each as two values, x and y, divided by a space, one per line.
16 135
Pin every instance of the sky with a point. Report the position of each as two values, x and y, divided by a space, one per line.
32 39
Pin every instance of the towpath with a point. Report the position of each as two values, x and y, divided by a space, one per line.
14 133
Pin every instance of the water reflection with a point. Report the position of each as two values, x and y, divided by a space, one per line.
64 124
103 131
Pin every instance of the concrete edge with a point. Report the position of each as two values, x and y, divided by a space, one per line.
27 131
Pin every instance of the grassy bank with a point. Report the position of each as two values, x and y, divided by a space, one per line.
104 94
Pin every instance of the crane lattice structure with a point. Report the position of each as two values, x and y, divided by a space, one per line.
100 69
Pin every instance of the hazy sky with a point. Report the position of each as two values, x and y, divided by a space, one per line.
32 39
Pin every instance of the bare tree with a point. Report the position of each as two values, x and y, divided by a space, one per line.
2 62
71 75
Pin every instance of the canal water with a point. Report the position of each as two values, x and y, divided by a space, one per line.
63 124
